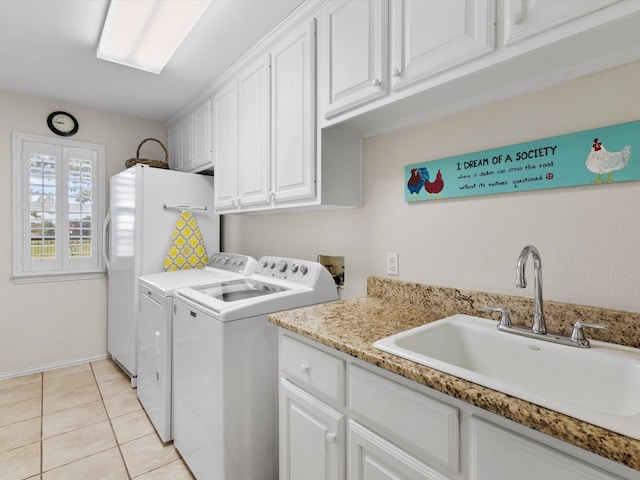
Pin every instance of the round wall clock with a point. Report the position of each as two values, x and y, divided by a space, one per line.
62 123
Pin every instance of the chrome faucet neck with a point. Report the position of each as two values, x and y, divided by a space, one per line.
521 282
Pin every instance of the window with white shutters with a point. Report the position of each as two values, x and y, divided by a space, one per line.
58 209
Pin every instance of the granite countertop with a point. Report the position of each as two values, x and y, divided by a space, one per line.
352 326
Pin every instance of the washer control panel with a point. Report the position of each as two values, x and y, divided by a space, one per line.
232 262
300 271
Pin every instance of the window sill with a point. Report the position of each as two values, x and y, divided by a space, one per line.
25 278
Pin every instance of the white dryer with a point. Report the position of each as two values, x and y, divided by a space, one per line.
155 314
225 366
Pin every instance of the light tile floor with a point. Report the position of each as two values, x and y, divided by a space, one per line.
80 422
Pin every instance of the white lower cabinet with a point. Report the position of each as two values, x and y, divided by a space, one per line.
424 427
498 454
311 437
397 429
371 457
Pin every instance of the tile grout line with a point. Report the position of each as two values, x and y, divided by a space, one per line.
42 439
126 467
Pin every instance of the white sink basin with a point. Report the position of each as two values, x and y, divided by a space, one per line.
599 385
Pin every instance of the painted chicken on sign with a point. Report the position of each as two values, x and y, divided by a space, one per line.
600 161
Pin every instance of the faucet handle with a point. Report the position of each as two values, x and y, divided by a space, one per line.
577 335
505 320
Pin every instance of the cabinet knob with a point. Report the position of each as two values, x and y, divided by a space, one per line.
304 368
395 73
375 83
331 437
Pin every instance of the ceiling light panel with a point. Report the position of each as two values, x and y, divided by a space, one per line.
144 34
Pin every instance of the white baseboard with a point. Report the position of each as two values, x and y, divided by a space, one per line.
53 366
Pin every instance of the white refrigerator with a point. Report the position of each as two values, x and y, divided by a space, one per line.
144 205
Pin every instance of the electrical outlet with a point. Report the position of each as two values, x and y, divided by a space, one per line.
392 263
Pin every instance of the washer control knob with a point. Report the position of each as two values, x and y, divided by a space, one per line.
283 266
304 269
225 260
272 265
240 262
295 267
264 263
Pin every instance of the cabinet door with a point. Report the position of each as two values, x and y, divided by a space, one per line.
427 428
186 143
497 454
293 115
254 152
202 137
526 18
175 149
311 437
371 457
225 141
431 37
354 38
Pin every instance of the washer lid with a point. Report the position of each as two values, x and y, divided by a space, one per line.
165 283
241 289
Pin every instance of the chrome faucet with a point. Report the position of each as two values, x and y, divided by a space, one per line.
539 329
521 282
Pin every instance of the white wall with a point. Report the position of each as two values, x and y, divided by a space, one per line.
589 237
49 323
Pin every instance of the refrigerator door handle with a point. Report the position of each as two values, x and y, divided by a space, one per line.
105 240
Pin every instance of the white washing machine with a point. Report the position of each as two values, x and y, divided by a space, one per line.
155 315
225 367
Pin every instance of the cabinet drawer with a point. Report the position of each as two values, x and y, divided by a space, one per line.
373 457
312 369
425 427
497 453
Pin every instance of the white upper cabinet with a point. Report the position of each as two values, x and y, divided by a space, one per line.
264 128
527 18
293 134
354 54
225 146
186 143
434 36
241 139
174 147
387 64
369 49
202 154
190 147
254 148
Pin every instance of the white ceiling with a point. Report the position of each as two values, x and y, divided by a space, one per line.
48 49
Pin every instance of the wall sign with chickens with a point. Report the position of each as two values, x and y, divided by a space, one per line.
592 157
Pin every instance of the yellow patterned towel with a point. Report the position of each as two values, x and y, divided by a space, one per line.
186 249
